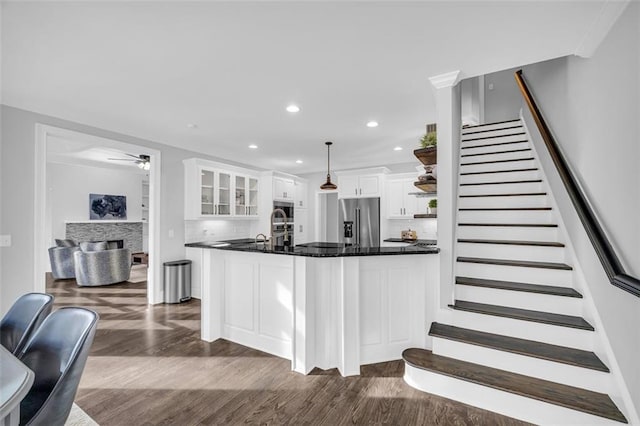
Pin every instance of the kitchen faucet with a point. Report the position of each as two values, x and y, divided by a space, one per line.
273 231
264 238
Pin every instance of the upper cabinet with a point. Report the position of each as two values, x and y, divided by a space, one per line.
301 199
211 191
283 189
400 204
361 184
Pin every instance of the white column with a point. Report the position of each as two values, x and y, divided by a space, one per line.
448 107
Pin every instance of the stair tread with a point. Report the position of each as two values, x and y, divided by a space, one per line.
504 208
510 262
502 182
492 137
517 194
523 314
529 169
511 242
595 403
546 351
492 130
527 225
496 152
510 160
494 144
517 286
475 126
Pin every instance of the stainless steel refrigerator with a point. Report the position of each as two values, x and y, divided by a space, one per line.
359 221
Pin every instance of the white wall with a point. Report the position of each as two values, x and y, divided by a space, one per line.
70 186
502 101
592 107
17 177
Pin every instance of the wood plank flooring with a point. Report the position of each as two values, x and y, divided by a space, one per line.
148 366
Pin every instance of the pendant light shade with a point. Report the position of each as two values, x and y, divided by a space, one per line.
328 184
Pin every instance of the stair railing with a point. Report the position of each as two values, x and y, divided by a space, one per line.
607 255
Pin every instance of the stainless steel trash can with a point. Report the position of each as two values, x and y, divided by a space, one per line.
177 281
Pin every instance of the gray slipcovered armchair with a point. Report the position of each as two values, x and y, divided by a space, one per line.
62 263
102 267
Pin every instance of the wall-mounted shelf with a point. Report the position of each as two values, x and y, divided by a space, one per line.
427 156
430 187
425 216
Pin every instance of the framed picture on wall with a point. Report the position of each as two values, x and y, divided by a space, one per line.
107 207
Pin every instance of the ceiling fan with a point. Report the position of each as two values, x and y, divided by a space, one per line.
143 161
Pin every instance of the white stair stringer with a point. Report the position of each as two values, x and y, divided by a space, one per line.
491 176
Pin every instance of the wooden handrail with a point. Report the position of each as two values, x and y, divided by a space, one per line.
607 255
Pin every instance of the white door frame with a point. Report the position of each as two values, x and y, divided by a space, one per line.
43 132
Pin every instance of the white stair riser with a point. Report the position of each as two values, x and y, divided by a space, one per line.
505 216
506 188
508 233
470 148
520 299
504 201
490 167
498 156
505 403
513 252
492 126
473 140
585 378
495 177
505 129
553 334
555 277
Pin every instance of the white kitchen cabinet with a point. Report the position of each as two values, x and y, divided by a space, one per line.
354 186
283 189
401 205
301 226
215 192
301 194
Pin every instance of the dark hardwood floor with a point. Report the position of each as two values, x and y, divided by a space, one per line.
148 366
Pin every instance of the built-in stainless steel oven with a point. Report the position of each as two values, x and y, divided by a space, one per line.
279 222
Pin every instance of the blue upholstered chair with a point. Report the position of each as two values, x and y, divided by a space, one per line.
93 268
23 319
57 354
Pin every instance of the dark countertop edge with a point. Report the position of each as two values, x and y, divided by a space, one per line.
400 240
315 252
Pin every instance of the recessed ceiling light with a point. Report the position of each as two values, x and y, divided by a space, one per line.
397 148
299 161
253 146
372 124
192 126
293 108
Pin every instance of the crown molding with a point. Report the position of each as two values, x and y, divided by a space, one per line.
445 80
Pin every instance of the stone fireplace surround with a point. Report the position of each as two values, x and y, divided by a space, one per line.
129 232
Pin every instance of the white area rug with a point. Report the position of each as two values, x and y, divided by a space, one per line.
138 274
77 417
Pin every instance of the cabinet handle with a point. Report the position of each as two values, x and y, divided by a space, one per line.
300 228
360 191
356 191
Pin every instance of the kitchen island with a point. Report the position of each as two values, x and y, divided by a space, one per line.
323 305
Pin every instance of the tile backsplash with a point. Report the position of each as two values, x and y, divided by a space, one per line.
425 228
215 230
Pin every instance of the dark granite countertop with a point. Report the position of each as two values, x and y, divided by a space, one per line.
314 249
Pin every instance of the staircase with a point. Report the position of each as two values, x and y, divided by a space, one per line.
517 341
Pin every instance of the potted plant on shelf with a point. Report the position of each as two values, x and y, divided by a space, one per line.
433 206
427 154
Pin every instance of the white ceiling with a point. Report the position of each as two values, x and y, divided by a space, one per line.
147 69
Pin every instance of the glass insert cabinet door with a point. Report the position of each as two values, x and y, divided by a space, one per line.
241 196
223 205
252 204
206 188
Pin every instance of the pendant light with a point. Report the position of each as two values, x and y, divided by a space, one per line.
328 184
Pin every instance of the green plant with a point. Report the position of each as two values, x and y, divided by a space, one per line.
433 203
429 139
